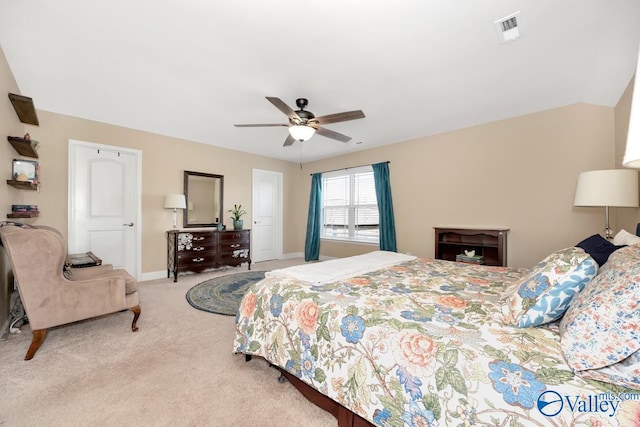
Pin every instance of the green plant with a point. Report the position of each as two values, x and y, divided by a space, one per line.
237 212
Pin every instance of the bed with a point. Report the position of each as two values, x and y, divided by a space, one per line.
388 339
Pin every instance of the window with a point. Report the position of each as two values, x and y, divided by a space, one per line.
349 206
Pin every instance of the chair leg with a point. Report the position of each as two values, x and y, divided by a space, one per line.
136 313
36 341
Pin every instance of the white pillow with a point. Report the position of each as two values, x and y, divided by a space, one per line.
625 238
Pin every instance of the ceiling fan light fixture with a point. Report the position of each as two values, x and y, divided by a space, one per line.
301 132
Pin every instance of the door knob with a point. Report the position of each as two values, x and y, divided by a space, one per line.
128 225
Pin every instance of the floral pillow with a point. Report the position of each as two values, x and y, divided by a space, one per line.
625 238
543 295
625 373
602 325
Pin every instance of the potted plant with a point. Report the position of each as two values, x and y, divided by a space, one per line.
236 214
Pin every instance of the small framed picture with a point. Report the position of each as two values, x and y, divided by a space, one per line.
25 170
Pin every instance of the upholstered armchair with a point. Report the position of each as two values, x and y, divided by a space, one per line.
37 257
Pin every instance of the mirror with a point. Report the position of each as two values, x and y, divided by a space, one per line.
203 192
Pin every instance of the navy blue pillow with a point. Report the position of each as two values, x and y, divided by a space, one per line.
599 248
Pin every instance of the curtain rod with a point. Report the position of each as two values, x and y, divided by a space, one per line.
350 167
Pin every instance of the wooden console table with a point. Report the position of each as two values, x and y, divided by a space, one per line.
196 251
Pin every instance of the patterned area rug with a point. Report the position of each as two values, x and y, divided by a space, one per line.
222 295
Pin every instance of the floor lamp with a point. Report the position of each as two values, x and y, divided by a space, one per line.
608 188
175 202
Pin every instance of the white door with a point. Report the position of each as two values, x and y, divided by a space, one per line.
267 216
104 203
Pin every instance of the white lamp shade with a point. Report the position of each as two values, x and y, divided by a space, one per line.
632 152
301 132
175 201
614 187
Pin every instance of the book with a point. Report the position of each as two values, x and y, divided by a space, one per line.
24 208
81 260
476 259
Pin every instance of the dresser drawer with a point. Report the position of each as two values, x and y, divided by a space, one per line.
226 247
234 236
188 241
196 247
234 257
190 260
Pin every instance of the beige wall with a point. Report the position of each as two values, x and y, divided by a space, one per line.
626 218
163 161
9 126
518 173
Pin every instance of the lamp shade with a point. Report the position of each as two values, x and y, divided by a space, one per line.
301 132
632 152
614 187
175 201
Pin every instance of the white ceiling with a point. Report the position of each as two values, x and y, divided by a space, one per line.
193 68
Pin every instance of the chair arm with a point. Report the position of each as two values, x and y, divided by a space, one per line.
79 300
87 273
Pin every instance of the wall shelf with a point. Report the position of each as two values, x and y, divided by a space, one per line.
22 185
24 147
25 109
23 214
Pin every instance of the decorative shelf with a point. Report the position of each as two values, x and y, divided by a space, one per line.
22 185
25 109
24 147
23 214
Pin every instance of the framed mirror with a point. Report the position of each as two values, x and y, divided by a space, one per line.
204 194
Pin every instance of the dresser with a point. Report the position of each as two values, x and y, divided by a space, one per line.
196 251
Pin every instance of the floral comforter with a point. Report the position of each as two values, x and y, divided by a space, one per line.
423 344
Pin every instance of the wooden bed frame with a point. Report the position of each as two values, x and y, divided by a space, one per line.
345 417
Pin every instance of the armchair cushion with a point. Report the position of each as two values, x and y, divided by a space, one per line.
101 272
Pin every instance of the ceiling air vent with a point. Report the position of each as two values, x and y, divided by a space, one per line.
508 28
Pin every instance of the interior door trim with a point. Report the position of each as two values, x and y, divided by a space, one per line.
278 222
73 144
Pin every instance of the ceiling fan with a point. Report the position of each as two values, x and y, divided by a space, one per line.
303 124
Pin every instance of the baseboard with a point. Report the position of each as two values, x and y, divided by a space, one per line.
154 275
293 255
301 255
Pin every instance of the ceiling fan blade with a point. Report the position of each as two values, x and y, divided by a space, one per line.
280 105
261 125
289 141
340 117
332 134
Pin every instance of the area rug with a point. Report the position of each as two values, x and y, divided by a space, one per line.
222 294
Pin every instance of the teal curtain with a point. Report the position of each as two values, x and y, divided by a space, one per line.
314 221
385 207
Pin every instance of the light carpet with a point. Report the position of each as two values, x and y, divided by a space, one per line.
178 370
